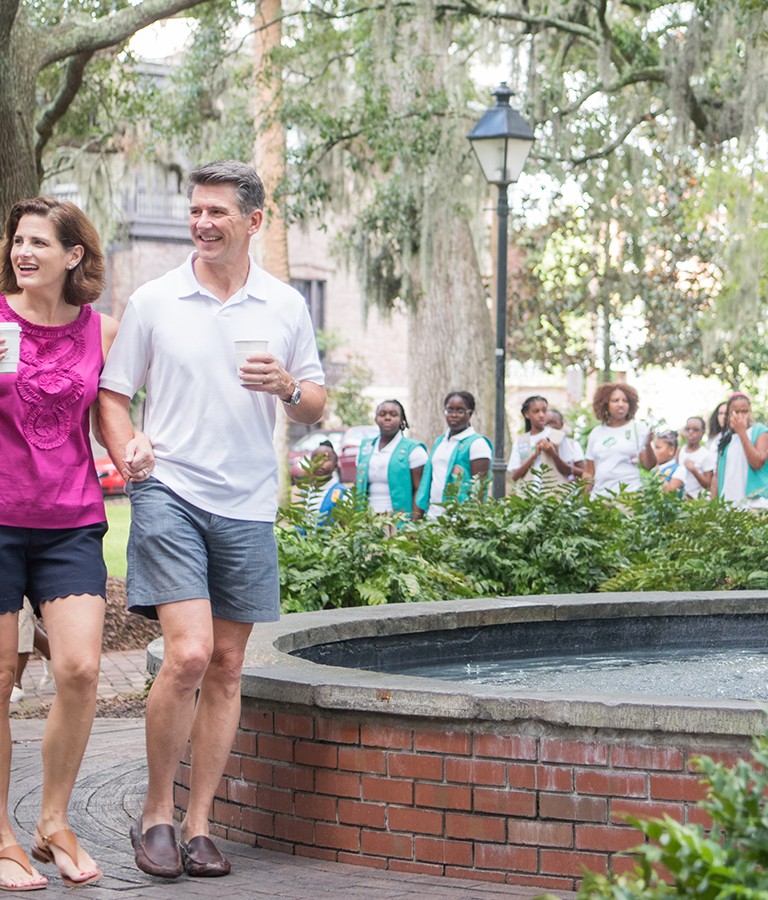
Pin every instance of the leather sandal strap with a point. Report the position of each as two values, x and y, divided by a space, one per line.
17 855
65 840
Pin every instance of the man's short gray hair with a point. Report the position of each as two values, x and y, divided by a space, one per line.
244 179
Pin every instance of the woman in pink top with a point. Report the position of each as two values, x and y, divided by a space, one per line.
52 517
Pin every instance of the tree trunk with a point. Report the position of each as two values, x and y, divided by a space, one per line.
269 145
18 172
451 334
269 161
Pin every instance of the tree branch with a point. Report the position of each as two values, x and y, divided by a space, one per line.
73 37
655 74
607 149
73 80
539 22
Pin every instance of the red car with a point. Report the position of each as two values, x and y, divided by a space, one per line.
350 447
110 479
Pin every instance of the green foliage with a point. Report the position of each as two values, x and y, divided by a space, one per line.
529 543
119 519
346 398
360 560
534 543
727 863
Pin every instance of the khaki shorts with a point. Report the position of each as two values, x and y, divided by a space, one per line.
26 628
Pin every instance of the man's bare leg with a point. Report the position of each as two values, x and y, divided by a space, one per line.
187 648
216 718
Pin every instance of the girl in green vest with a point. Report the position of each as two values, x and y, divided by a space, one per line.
389 466
457 458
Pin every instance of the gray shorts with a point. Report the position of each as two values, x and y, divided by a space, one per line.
179 552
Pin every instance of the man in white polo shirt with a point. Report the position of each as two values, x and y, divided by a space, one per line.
202 556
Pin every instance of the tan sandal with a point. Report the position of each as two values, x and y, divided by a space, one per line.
17 855
63 841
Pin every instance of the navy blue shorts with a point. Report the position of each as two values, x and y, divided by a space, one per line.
179 552
46 563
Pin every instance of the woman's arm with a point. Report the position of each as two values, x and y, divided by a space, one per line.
589 474
647 455
674 484
704 478
552 452
416 474
108 331
756 453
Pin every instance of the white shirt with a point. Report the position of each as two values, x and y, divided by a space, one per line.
440 458
568 450
616 455
702 459
378 472
212 437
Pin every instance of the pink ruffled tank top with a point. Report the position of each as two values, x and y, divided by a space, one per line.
47 475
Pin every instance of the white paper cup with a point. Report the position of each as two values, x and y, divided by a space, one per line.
244 349
11 333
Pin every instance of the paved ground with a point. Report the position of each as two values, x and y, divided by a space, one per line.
108 799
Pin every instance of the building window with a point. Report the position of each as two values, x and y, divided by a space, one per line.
313 293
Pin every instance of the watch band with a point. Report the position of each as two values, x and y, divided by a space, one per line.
295 397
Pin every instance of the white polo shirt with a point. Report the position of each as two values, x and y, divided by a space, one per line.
212 437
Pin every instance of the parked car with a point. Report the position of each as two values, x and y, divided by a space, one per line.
110 479
350 446
301 450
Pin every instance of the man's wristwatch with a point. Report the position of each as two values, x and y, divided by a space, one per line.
295 397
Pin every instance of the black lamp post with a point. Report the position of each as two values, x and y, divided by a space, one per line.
502 140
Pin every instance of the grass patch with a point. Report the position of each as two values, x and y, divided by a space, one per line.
119 518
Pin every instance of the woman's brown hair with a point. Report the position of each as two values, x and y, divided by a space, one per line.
603 395
85 281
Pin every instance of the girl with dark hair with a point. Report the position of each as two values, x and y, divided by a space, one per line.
458 457
390 466
716 424
672 474
741 475
619 444
324 491
52 518
541 452
696 459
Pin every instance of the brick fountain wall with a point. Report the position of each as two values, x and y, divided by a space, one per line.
529 804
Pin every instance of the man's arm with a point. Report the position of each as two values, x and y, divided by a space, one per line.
128 449
310 409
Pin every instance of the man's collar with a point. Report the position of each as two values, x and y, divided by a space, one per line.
254 287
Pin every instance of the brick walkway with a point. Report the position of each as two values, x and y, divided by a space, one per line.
108 799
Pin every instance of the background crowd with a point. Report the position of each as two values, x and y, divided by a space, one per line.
723 456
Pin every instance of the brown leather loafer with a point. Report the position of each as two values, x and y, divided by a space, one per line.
202 859
157 852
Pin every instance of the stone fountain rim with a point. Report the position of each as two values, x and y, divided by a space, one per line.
271 673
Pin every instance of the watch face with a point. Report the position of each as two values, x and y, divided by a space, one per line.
296 396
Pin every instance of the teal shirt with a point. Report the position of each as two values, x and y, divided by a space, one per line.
398 473
459 468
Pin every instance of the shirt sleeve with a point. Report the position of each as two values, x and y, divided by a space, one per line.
514 458
417 457
127 363
480 450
